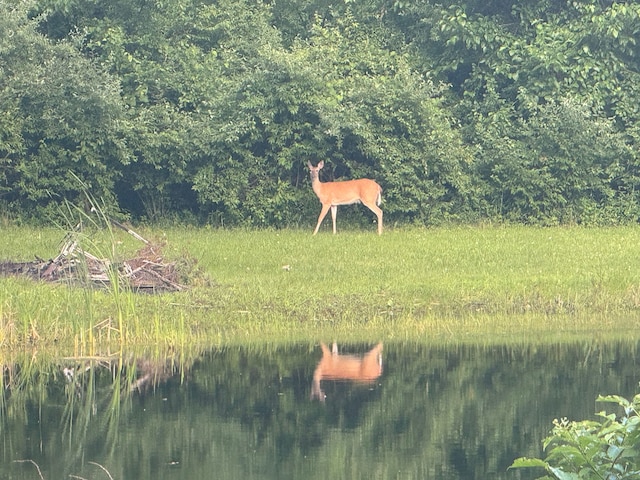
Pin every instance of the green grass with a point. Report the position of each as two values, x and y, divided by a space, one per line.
446 284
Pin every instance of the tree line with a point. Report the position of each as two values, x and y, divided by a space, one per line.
208 111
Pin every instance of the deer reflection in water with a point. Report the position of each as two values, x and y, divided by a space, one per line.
333 366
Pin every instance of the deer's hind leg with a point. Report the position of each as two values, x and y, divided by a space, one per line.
334 214
378 211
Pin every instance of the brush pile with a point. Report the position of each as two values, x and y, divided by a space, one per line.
146 272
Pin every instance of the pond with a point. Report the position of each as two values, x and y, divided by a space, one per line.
403 411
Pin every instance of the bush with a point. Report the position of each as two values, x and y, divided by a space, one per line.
585 450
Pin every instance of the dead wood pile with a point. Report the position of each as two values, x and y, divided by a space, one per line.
146 272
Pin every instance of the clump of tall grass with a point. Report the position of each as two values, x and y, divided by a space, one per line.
82 228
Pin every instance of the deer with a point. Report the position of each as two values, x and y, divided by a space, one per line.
333 366
332 194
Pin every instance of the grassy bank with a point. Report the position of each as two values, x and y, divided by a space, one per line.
449 284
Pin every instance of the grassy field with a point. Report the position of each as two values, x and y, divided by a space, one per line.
460 284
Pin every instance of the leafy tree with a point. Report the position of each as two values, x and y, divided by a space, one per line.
339 95
561 165
461 110
62 116
224 113
512 67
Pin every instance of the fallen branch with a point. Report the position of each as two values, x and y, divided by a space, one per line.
128 230
145 272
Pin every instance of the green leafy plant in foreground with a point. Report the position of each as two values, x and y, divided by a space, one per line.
583 450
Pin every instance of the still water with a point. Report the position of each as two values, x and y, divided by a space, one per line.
396 411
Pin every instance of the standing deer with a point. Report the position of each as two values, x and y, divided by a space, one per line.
332 194
333 366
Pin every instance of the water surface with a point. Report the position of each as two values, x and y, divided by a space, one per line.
428 412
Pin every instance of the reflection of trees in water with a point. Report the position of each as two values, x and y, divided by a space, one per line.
77 401
436 412
486 406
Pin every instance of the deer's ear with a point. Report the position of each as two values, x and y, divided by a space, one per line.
321 164
309 164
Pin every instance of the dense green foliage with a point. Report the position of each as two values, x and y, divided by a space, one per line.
209 110
593 450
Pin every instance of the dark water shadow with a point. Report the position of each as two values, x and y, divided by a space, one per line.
304 411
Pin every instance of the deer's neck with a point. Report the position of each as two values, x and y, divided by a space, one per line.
316 184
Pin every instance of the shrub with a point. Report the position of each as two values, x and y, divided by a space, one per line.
585 450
